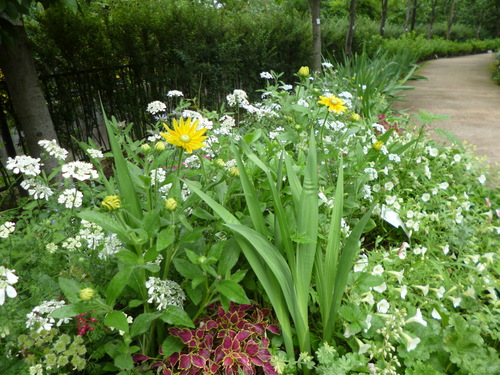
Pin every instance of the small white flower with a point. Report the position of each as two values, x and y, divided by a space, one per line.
368 299
390 199
164 293
418 318
53 149
444 185
266 75
96 154
24 164
455 300
411 343
481 179
7 228
389 186
399 275
424 289
156 106
383 306
363 348
439 292
71 198
327 64
287 87
378 270
7 279
80 170
174 93
380 288
432 151
435 314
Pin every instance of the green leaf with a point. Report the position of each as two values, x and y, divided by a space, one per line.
232 291
107 222
176 316
117 284
127 257
171 345
124 361
187 269
151 222
142 323
165 238
118 320
71 289
72 5
70 311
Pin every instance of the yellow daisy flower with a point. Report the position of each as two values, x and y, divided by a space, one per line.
185 135
333 103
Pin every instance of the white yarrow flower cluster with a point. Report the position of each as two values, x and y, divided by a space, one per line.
7 279
158 176
71 198
37 189
39 319
24 164
54 149
174 93
164 293
156 106
92 233
238 97
7 228
96 154
266 75
80 170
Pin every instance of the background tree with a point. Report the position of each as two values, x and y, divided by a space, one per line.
17 65
350 31
316 33
450 19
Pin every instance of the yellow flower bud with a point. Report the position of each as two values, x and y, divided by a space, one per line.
356 117
220 162
111 202
304 71
171 204
145 147
160 146
86 294
378 145
234 171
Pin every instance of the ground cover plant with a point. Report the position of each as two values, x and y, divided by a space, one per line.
313 231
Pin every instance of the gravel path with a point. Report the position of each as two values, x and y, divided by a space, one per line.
462 88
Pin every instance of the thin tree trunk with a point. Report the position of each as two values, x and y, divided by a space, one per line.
350 32
316 32
431 20
450 19
27 96
414 15
383 16
408 14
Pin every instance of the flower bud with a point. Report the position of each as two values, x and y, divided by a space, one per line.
304 71
111 202
220 163
234 171
171 204
355 117
378 145
145 147
86 294
160 146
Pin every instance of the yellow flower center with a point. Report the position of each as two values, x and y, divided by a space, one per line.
185 138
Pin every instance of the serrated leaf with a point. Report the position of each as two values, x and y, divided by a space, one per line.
71 289
117 284
124 361
70 311
176 316
142 323
118 320
233 291
171 345
165 238
187 269
127 257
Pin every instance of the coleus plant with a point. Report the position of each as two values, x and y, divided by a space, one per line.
225 342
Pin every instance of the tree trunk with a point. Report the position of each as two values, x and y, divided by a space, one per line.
431 20
316 32
350 32
383 16
450 20
414 15
408 14
27 96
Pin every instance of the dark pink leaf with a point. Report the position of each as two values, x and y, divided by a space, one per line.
184 334
243 335
252 349
228 361
173 358
269 369
274 329
139 358
227 343
198 361
184 362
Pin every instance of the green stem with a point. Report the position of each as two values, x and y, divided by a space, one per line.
179 162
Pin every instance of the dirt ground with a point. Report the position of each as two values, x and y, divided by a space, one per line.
462 88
